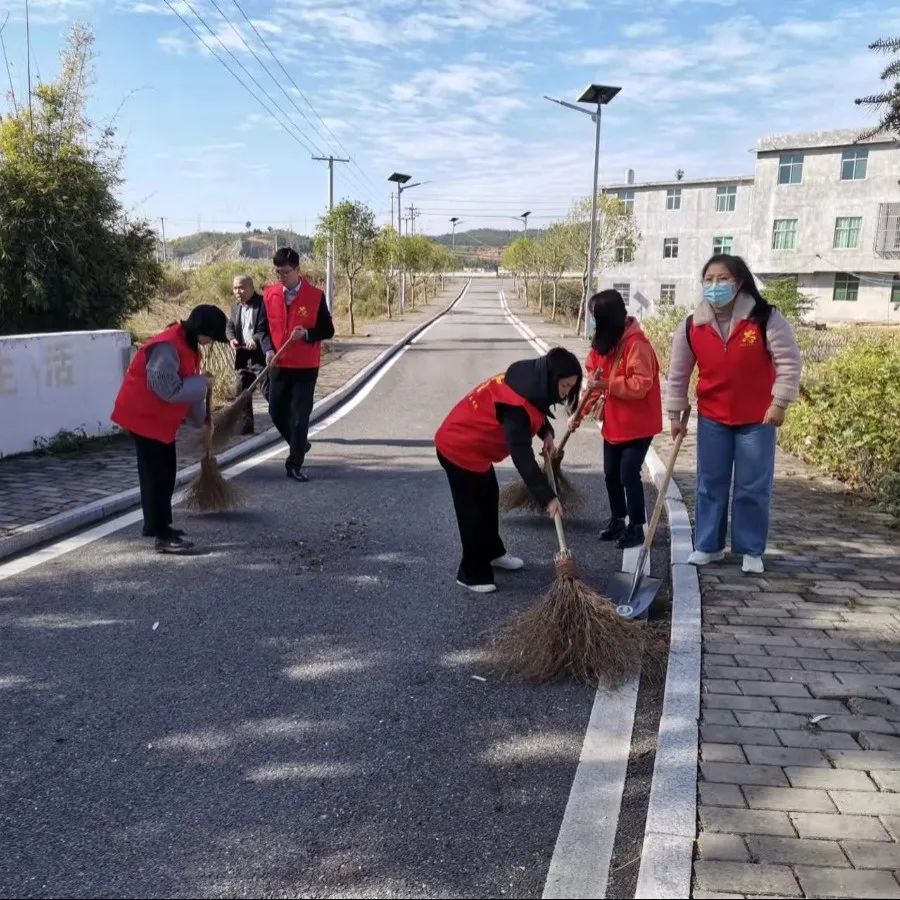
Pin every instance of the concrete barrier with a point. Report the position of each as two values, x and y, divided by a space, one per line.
63 381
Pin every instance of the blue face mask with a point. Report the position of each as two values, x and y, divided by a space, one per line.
718 294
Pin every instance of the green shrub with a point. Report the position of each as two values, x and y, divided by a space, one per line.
846 420
660 329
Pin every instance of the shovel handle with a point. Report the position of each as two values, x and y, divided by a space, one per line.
664 487
557 520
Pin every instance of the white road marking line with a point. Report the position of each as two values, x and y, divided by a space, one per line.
587 835
104 529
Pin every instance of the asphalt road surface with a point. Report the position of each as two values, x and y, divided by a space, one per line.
305 719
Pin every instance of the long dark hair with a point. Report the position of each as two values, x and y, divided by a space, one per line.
562 363
609 313
743 277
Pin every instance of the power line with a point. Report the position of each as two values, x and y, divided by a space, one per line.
302 94
280 86
233 74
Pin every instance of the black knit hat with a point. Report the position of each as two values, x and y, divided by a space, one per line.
208 321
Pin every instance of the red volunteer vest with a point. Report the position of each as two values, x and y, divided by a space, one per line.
736 376
137 408
283 319
471 436
628 420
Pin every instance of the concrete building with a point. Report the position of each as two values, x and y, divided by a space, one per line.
819 208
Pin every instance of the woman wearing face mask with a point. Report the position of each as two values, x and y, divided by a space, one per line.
749 373
499 418
162 388
623 366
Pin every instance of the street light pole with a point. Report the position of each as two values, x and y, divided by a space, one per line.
329 266
453 222
524 218
599 94
402 185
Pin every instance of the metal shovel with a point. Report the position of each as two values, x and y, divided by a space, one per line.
634 593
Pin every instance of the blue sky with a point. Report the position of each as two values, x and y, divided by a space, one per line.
451 91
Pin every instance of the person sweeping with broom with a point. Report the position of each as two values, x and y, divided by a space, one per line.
623 370
162 388
500 418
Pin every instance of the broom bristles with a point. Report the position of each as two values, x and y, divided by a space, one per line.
226 420
572 631
210 491
516 495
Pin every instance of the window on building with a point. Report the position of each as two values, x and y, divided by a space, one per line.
673 198
846 232
887 232
895 290
723 244
784 234
726 198
670 248
854 164
846 286
624 288
625 253
667 293
790 168
627 197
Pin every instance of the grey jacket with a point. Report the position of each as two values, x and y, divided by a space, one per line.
780 342
165 381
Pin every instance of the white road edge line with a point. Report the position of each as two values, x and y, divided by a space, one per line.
104 529
584 846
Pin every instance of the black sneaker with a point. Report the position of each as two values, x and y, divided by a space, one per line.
633 536
614 530
172 543
296 473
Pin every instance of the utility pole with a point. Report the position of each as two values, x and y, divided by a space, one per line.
453 222
329 269
162 224
28 62
413 215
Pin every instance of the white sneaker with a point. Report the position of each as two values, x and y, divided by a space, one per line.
478 588
510 563
699 558
753 565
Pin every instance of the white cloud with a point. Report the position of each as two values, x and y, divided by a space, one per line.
175 44
651 28
805 30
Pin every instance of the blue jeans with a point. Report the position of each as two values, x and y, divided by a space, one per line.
748 451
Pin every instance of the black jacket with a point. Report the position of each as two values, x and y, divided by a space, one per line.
244 358
530 379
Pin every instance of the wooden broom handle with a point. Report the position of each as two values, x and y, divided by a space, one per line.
209 417
578 412
557 520
667 478
268 365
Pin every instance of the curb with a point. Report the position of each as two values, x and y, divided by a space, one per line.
667 854
71 520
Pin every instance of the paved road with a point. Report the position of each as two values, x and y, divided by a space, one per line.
304 721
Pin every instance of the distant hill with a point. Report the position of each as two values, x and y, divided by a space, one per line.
490 237
211 246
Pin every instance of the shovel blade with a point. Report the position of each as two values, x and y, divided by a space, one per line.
632 604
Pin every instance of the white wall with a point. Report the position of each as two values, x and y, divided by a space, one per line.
62 381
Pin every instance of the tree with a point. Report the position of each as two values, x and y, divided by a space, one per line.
616 230
792 303
385 260
351 227
520 258
416 253
887 103
556 251
70 258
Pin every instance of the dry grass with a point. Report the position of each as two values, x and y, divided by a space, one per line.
574 632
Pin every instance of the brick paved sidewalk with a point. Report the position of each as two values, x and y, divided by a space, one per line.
34 487
800 728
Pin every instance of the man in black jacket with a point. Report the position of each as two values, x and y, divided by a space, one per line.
248 335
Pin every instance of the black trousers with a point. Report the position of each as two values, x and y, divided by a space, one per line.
156 473
243 378
290 404
476 499
622 468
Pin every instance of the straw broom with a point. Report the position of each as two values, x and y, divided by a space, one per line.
574 632
516 494
209 491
